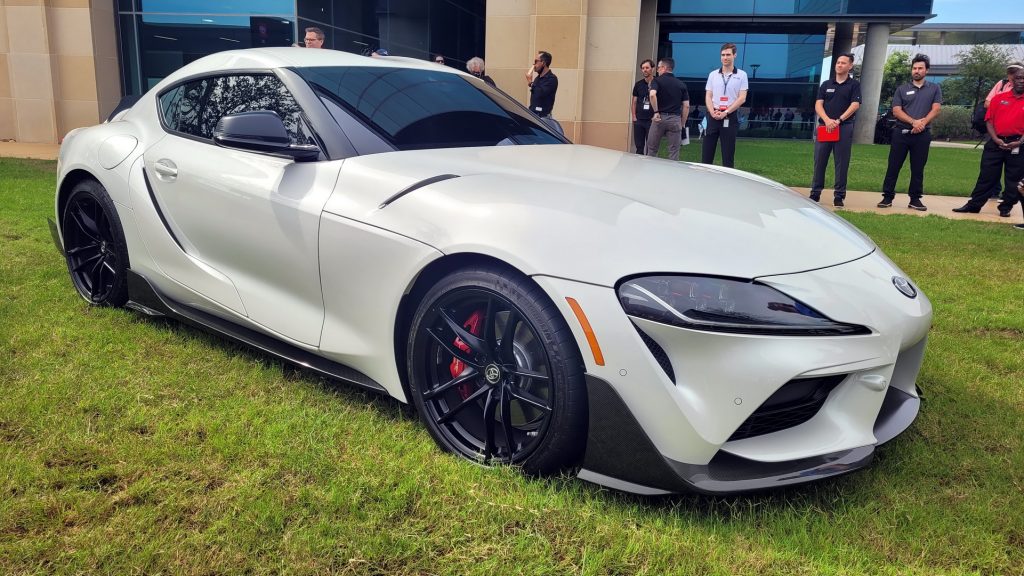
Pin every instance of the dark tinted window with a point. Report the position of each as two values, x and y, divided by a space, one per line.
415 109
247 93
180 107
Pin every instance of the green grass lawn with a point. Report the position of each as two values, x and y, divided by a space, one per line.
949 172
132 445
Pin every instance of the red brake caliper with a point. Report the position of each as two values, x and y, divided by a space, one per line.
472 325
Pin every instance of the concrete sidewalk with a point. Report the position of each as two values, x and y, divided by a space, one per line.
937 205
855 201
23 150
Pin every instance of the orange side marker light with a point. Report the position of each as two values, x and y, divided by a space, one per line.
595 348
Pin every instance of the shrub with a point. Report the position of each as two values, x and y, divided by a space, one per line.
954 122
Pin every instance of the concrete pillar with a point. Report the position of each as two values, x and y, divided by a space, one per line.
871 81
593 44
842 43
58 67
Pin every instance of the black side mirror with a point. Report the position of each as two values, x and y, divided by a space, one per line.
261 131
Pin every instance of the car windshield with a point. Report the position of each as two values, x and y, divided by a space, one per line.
418 109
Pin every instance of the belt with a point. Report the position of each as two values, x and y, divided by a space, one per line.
1011 137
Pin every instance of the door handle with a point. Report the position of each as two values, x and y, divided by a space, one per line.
165 170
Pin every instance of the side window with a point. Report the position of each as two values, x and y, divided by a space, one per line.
247 93
180 106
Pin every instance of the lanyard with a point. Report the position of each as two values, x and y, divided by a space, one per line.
725 81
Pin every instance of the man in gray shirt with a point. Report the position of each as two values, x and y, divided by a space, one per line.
914 105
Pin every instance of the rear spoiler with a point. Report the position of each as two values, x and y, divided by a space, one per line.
125 103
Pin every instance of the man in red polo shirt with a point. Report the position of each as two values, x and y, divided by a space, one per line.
1005 122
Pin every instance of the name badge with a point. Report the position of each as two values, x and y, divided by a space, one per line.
830 90
647 106
723 102
538 108
911 92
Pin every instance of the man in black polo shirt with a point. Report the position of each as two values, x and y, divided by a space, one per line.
640 106
543 84
837 104
914 105
671 103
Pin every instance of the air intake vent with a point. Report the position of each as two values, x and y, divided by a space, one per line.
659 354
796 402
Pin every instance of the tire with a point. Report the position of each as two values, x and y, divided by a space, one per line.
486 342
94 245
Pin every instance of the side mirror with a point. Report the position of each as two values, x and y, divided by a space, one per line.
261 131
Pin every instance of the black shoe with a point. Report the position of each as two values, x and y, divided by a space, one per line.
1018 226
916 204
814 198
838 203
966 209
885 203
1004 213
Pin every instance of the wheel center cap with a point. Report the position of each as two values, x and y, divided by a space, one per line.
492 373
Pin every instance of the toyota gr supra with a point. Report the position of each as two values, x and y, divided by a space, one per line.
652 326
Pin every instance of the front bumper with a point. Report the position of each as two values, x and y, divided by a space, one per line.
621 456
669 405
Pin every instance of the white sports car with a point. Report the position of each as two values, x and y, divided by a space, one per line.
653 326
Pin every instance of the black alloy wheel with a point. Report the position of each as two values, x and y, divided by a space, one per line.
495 373
94 245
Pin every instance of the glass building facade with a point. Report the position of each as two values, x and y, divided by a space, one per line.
156 37
781 45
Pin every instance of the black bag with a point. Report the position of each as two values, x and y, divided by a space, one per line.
978 119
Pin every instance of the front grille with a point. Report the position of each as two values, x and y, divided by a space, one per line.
796 402
659 354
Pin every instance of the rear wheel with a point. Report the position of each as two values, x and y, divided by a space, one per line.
94 245
495 372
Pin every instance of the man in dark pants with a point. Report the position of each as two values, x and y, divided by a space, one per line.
671 103
1002 155
543 85
724 94
837 105
914 105
640 106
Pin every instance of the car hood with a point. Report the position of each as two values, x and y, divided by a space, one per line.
594 214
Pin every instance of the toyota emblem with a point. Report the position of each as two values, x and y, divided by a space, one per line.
492 373
904 286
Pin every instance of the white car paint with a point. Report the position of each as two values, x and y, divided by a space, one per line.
309 254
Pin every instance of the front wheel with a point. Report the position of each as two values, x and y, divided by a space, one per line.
94 245
495 373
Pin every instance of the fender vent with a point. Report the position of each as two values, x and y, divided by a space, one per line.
796 402
659 354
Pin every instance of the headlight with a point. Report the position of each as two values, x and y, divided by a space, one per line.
722 305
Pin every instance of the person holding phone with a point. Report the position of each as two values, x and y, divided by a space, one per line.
543 85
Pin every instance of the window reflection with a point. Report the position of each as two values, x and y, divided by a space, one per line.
249 93
783 71
219 7
417 109
159 36
793 7
167 42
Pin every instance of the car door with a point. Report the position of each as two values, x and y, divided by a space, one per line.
251 217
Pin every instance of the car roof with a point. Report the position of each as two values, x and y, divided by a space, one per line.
269 58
